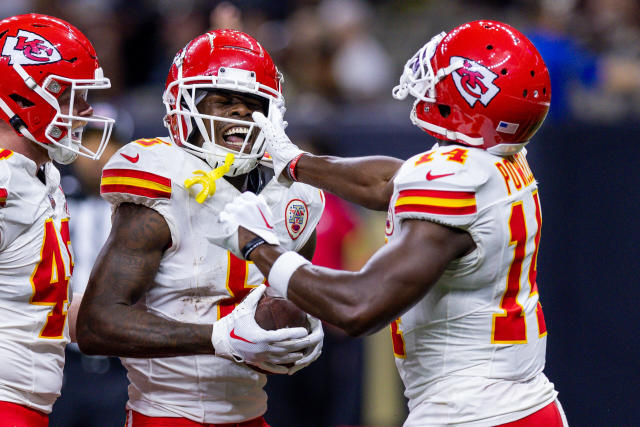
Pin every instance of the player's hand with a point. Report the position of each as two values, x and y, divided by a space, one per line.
316 337
279 146
249 211
238 337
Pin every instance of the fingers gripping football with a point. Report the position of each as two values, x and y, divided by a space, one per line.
311 353
238 337
279 146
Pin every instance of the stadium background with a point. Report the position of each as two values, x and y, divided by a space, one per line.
340 59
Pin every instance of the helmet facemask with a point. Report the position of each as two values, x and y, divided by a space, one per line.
191 122
64 131
419 80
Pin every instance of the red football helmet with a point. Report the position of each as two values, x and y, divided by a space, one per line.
41 57
221 59
483 84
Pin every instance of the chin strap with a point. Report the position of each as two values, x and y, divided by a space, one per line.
208 179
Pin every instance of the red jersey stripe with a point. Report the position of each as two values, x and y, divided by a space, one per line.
438 193
137 191
439 210
132 173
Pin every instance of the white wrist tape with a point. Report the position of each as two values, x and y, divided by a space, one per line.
282 270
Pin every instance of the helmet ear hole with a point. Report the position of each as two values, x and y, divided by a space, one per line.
21 100
444 110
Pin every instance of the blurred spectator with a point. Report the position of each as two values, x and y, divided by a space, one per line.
360 65
225 15
597 81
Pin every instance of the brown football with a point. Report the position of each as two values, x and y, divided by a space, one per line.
275 313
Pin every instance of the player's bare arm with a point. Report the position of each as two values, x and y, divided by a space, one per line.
367 181
309 248
108 322
359 302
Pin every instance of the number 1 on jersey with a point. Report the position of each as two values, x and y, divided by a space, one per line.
509 327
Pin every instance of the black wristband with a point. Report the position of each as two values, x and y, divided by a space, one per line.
249 247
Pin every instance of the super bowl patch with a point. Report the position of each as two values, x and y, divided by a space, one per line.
296 217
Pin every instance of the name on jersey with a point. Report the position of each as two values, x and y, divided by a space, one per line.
515 171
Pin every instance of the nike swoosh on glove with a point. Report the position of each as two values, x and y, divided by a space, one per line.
279 146
238 337
250 211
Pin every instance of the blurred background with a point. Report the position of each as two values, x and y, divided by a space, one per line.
340 59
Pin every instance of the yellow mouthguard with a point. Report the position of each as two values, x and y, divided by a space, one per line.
208 179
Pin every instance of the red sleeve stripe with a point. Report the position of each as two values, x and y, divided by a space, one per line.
135 182
3 197
438 194
135 190
438 210
132 173
436 202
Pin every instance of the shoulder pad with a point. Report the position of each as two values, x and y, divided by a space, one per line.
441 185
140 169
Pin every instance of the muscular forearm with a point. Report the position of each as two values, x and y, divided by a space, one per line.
122 330
362 180
109 322
395 277
333 296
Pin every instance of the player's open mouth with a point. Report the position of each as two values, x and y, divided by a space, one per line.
235 135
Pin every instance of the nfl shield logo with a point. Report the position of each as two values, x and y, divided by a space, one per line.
296 216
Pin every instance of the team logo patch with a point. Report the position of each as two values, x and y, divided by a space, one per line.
388 229
30 49
474 81
296 218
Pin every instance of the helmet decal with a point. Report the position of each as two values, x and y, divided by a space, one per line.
30 49
474 81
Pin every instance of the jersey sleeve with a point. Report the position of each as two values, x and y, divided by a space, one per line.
138 174
314 201
439 186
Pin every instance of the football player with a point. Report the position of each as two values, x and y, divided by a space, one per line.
456 280
47 68
160 295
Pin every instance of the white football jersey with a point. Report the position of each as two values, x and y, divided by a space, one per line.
472 350
198 282
35 267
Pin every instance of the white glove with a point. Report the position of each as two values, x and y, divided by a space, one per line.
279 146
238 337
252 212
316 337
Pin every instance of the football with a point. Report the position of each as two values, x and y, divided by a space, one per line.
275 313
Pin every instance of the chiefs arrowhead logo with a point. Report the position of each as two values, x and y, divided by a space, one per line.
297 215
388 228
474 81
29 48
